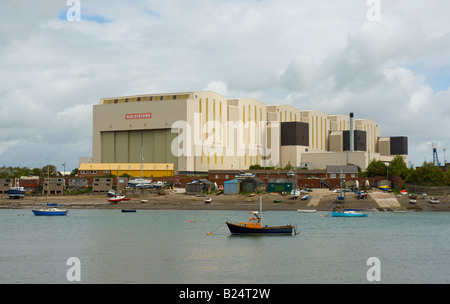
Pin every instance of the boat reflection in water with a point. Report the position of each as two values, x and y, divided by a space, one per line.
255 227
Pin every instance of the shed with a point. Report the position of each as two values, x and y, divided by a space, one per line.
279 185
253 184
199 186
231 186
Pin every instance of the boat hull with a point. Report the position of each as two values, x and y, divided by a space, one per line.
12 193
348 214
278 230
45 212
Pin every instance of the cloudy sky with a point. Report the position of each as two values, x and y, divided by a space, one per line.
387 60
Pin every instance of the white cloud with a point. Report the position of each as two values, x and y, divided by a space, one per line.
315 55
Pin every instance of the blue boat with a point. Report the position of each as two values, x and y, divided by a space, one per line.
50 212
348 213
16 192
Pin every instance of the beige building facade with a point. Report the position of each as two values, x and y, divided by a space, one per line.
201 131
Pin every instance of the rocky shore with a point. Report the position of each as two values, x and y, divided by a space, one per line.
319 200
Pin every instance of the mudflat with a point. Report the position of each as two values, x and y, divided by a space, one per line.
319 200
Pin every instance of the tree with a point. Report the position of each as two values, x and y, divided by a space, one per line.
49 169
428 175
375 168
398 167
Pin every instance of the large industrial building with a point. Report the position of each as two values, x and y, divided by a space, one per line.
202 131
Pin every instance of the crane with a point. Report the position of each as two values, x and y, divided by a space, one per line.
435 156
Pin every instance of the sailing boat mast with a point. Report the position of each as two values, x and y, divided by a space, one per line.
48 181
260 209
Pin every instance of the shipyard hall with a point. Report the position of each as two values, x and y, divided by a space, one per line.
195 132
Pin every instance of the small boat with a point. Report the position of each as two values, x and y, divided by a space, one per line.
16 192
361 194
116 198
341 196
295 194
243 175
255 227
140 183
400 211
277 201
348 213
306 211
128 210
305 197
111 193
412 201
50 211
434 200
157 185
208 200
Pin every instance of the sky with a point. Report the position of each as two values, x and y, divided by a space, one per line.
388 61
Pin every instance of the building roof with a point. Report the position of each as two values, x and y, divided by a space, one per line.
255 180
124 166
201 181
342 169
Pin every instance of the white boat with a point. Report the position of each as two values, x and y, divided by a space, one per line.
306 211
434 200
208 200
116 198
305 197
295 194
399 211
157 185
111 193
243 175
139 183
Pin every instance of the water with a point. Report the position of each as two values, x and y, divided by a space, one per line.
174 247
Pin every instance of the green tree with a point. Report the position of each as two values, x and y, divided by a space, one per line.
398 167
428 175
375 168
447 178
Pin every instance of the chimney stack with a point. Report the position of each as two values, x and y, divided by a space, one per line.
352 134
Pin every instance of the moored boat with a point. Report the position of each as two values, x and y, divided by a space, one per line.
348 213
306 210
255 227
208 200
128 210
50 211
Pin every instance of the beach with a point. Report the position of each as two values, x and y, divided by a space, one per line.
320 200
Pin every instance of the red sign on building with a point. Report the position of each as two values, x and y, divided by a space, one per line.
138 116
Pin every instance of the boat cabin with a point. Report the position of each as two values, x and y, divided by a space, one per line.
255 222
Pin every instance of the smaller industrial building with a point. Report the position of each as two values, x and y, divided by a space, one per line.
134 170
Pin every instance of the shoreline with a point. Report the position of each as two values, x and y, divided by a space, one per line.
320 200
